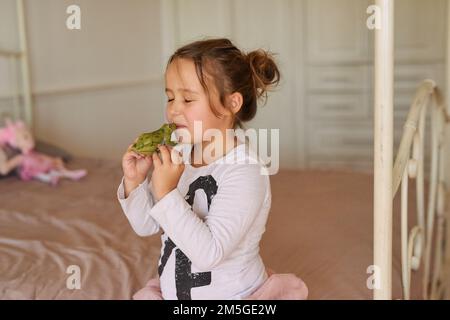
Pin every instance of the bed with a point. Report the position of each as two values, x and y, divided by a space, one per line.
44 230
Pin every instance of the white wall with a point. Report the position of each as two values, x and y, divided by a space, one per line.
97 88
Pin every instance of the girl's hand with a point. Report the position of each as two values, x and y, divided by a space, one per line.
167 172
135 169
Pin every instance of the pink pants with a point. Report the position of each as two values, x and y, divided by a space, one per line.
279 286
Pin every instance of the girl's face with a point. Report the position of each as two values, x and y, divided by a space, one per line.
188 102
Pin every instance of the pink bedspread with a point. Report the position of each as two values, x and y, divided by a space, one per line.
320 229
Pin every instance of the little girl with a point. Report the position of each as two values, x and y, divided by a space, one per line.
213 211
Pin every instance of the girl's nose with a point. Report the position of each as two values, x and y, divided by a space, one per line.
175 108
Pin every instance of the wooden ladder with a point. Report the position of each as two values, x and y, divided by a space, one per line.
20 57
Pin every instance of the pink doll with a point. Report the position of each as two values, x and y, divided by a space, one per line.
16 153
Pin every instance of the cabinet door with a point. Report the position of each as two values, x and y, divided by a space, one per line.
271 25
195 19
419 30
337 31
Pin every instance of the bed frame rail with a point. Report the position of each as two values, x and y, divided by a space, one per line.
409 163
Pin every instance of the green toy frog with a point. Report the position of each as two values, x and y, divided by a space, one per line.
147 143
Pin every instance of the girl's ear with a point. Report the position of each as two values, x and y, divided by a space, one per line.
236 100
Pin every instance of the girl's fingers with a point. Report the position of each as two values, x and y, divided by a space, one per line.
129 156
176 156
165 154
148 159
156 160
135 154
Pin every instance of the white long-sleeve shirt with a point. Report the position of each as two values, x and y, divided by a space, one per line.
212 224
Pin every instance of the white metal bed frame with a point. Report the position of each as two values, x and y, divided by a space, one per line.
416 246
409 163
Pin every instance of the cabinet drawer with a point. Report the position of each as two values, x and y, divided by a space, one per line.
359 165
344 140
338 79
326 140
338 106
409 77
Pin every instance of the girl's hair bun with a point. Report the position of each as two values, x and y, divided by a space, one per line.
264 70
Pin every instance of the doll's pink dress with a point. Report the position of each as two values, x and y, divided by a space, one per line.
34 163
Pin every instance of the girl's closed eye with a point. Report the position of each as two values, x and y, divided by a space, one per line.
185 100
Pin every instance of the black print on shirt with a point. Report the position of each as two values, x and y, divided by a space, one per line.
168 247
185 280
207 183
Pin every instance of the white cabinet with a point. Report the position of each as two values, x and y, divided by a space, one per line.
339 95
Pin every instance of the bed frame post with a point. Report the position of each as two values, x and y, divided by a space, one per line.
447 153
383 149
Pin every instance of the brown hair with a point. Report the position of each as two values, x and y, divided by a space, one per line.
232 70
